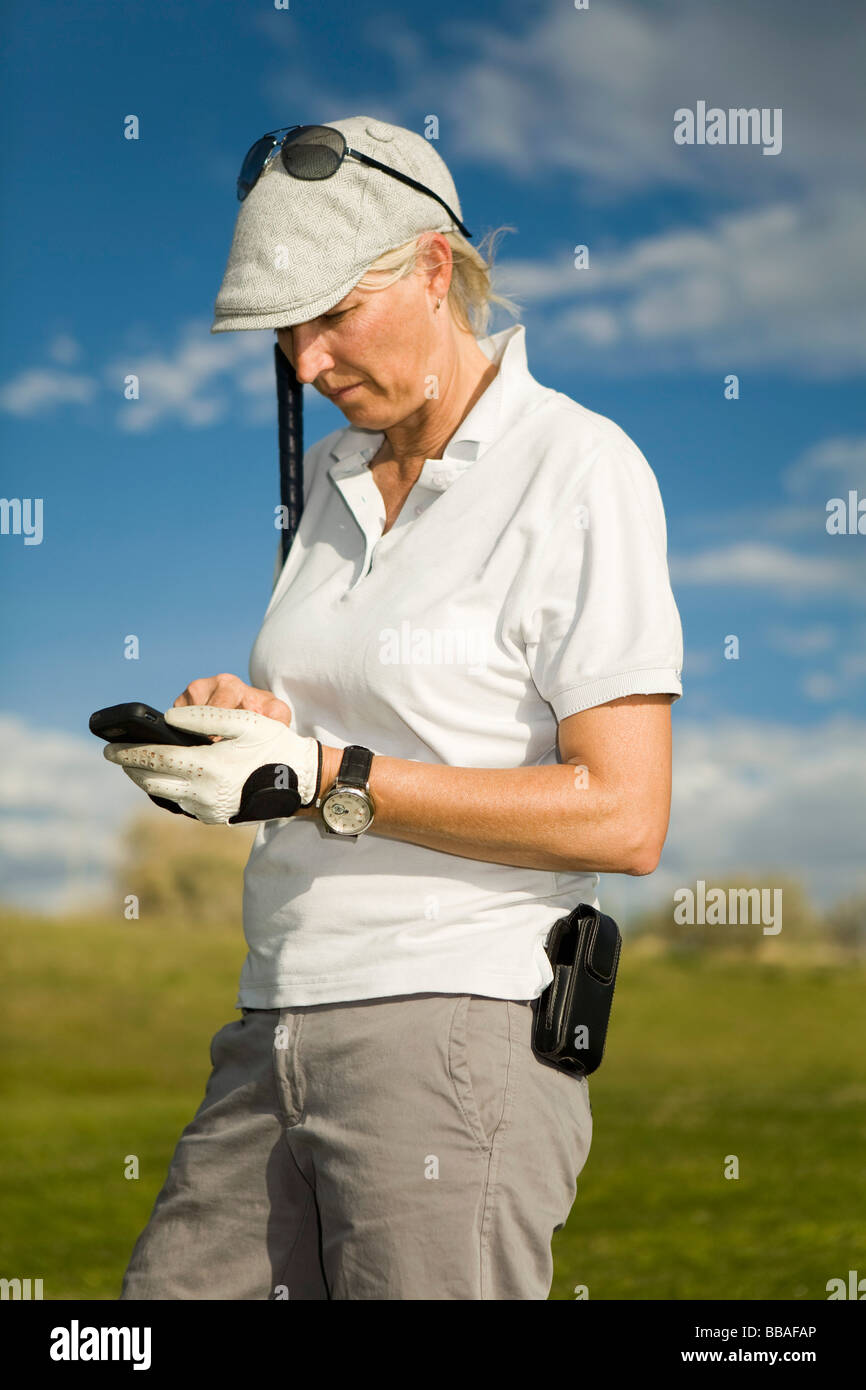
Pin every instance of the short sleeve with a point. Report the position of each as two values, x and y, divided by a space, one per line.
599 616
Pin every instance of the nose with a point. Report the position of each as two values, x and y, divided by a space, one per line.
306 352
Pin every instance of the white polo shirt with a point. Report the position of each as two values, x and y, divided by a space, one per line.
525 579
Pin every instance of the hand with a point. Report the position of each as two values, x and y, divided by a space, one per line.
259 770
230 692
227 692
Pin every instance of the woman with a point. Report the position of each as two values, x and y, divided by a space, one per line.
474 634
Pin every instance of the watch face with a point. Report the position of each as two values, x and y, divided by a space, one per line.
348 812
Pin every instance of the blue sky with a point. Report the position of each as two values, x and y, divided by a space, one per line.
704 261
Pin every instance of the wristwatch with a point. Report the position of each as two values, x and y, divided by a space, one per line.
348 809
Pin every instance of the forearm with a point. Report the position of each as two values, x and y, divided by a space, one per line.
552 817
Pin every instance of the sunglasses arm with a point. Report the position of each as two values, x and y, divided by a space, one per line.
413 183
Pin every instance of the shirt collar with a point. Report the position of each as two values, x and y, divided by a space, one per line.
490 416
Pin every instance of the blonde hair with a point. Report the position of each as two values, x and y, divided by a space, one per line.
471 293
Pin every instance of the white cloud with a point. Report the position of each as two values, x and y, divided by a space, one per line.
594 93
590 95
763 792
825 468
820 686
814 569
700 663
584 100
199 382
61 804
587 98
812 640
63 348
777 287
38 389
843 673
788 574
838 463
832 662
596 326
774 288
754 796
186 386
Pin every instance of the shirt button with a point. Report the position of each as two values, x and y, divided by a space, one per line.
418 511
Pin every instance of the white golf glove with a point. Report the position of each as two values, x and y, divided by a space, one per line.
260 770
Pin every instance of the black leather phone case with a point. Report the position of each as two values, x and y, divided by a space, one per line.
572 1014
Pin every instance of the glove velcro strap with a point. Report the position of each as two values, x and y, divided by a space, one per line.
263 799
170 806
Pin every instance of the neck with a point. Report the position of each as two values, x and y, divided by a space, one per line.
425 433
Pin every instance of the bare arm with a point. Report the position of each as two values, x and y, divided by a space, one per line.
604 809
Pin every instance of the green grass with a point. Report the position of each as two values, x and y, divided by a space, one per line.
706 1060
105 1033
105 1029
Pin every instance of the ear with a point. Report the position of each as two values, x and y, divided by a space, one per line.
435 262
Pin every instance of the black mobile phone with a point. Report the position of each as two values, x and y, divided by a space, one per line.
137 723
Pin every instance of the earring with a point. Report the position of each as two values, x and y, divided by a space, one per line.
438 305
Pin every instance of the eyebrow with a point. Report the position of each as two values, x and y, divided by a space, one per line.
334 309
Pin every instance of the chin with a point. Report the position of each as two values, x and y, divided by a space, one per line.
357 414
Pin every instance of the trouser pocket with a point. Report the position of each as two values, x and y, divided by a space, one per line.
482 1064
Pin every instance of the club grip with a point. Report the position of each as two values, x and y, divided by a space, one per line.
290 434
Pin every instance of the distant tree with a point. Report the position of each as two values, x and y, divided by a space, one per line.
846 924
800 921
182 870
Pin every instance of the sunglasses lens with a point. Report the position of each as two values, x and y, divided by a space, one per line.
313 152
253 164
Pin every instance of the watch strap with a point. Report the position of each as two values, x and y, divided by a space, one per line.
354 767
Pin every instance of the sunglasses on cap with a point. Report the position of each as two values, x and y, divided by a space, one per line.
315 152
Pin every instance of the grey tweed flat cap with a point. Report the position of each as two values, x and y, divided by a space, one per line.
300 246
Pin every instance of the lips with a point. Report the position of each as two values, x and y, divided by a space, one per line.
340 389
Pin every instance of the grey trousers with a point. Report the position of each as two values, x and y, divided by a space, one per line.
411 1147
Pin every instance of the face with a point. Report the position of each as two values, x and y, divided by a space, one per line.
382 344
